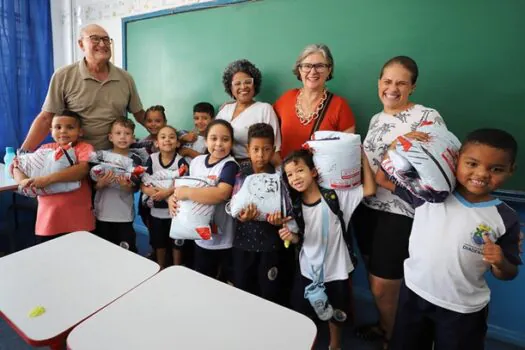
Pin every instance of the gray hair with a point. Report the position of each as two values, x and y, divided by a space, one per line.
311 49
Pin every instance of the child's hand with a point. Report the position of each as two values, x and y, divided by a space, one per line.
181 193
40 181
277 219
162 194
105 179
287 235
173 205
123 181
249 213
492 252
418 136
25 182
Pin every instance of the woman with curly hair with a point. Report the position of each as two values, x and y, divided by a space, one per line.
242 81
312 107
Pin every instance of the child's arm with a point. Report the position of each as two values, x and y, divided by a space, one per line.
20 177
287 235
75 172
369 183
188 152
150 191
383 181
104 180
162 193
208 195
188 137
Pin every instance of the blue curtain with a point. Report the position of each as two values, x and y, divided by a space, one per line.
26 66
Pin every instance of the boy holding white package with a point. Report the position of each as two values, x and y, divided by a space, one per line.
114 207
62 213
257 248
443 302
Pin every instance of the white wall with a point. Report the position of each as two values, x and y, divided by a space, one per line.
68 16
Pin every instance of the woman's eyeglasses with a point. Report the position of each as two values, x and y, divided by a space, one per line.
319 67
245 82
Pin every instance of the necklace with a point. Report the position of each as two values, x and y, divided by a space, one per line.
305 119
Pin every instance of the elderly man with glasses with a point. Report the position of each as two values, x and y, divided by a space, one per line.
92 87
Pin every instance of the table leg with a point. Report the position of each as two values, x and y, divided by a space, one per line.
58 344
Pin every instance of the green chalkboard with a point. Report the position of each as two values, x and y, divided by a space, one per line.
471 55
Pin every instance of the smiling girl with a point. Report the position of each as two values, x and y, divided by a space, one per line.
212 257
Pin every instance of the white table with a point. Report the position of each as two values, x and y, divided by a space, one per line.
6 184
182 309
71 277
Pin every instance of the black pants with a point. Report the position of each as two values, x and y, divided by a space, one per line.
420 323
257 273
117 232
213 263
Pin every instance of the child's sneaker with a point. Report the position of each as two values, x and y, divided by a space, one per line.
319 301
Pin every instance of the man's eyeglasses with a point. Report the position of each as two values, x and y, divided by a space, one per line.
95 39
239 83
319 67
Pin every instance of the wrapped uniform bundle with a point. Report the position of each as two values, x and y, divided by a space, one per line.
44 162
118 164
193 219
162 179
263 190
337 157
427 169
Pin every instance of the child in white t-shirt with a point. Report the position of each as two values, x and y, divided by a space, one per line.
166 159
443 301
324 259
213 257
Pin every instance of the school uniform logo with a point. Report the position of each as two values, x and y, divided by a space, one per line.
476 244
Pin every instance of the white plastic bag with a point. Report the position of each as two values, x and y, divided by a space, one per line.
162 179
193 219
263 190
427 169
118 164
337 157
44 162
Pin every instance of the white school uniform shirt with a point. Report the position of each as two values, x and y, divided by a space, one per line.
337 263
383 129
223 239
163 213
198 146
259 112
113 204
446 266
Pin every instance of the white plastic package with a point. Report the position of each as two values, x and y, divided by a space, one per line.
44 162
193 219
337 157
427 169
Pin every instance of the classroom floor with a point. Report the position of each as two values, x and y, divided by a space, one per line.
365 312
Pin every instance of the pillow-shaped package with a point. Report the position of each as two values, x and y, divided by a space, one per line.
163 179
427 169
44 162
263 190
337 157
193 219
120 166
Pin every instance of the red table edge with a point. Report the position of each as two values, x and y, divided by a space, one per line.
59 338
